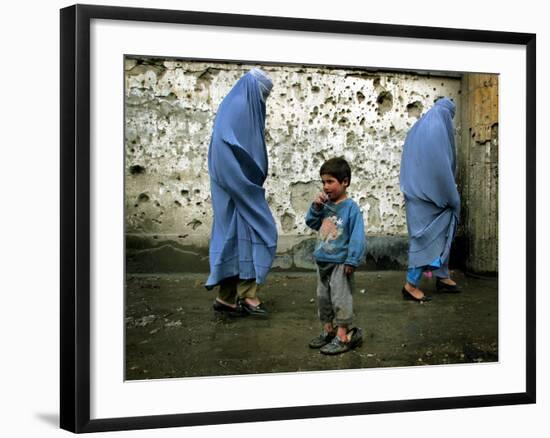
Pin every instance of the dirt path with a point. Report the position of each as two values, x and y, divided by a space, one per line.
171 330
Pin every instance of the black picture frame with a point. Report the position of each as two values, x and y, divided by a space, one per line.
76 211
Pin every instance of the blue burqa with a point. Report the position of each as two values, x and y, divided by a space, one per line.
244 234
432 202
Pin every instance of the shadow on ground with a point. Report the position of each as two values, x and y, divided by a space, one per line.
171 330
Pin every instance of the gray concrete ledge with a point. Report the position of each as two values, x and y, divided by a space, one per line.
166 254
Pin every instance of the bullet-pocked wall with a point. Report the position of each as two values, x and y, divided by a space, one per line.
313 113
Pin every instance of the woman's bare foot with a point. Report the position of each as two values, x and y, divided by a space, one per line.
252 301
447 281
414 291
232 305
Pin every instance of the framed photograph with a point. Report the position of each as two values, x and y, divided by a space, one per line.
214 169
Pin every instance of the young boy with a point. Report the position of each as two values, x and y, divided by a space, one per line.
340 248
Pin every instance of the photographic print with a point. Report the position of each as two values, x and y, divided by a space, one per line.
250 250
325 213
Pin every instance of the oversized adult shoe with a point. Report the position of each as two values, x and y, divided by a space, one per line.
321 340
337 346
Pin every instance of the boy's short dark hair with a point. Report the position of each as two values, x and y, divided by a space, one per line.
338 168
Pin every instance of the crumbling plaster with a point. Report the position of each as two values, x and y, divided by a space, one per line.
313 113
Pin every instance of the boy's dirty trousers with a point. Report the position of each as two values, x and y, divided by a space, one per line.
334 293
233 287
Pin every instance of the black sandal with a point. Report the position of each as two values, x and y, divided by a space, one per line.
408 296
446 288
223 309
258 311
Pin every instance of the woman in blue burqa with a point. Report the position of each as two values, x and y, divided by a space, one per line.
432 202
244 234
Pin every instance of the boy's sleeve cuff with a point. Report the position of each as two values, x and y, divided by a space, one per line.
314 211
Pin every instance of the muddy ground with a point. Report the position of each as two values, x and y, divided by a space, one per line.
171 330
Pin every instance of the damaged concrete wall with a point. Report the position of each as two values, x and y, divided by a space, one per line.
478 173
313 114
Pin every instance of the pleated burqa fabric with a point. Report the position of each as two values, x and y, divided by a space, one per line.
244 234
427 181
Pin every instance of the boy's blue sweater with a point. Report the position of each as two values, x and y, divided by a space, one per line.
341 232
